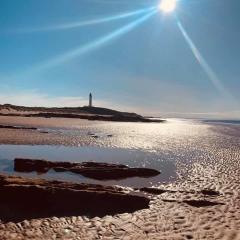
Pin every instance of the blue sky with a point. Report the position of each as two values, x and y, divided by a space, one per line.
138 63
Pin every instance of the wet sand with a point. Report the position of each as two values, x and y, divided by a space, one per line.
42 136
169 217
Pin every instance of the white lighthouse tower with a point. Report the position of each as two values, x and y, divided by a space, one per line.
90 100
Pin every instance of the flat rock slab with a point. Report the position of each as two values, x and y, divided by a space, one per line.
201 203
23 198
158 191
210 192
18 127
94 170
195 203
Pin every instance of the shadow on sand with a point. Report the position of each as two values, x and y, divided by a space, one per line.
23 198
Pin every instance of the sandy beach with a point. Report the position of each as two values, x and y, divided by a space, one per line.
213 163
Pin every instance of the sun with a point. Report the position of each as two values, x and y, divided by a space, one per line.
167 6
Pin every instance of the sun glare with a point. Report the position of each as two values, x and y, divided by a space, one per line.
167 6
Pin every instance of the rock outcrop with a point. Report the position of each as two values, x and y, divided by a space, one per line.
23 198
155 191
18 127
94 170
201 203
158 191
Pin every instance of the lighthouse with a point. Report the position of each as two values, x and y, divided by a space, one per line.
90 100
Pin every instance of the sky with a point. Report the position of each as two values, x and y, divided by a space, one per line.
130 55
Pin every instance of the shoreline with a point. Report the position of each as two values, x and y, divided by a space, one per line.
47 131
113 118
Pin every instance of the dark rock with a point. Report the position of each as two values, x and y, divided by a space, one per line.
59 169
201 203
23 198
188 236
114 173
17 127
41 166
94 136
210 192
160 191
90 134
101 165
156 191
171 201
195 203
94 170
44 132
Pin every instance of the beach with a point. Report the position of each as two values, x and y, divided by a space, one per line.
119 120
200 173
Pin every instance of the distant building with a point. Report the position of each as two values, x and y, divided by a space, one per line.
90 100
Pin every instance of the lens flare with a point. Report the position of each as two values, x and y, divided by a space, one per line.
205 66
168 6
68 26
93 45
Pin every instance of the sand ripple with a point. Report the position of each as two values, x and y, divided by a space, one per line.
205 156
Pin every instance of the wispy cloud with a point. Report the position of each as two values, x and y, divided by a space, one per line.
33 98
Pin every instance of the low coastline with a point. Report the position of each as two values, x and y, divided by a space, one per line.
87 113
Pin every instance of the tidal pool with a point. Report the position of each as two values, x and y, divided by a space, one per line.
132 158
176 148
